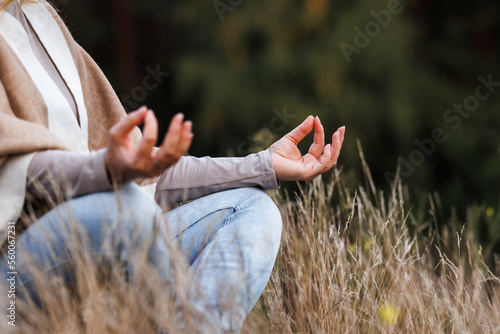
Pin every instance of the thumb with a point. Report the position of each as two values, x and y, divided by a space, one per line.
123 127
297 134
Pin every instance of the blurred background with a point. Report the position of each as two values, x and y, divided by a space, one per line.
396 74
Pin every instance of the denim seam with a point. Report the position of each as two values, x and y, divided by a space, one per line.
225 223
203 215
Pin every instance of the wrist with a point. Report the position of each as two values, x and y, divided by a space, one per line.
106 165
275 165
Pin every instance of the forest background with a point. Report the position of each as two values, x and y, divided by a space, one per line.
417 82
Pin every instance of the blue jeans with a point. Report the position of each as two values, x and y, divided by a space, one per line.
230 240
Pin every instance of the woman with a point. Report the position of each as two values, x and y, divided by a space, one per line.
62 128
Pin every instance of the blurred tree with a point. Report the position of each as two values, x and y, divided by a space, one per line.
231 76
125 41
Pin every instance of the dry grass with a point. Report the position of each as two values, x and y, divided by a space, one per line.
350 262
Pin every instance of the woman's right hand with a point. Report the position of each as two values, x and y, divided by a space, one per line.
126 162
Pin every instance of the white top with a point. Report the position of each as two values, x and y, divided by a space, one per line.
35 37
38 42
42 56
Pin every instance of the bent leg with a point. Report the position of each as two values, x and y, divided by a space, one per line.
108 226
231 239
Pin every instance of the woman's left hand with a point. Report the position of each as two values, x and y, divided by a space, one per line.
288 162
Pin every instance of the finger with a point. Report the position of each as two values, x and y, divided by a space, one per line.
186 138
319 139
149 136
326 158
297 134
337 141
171 140
166 156
324 162
126 125
330 153
342 134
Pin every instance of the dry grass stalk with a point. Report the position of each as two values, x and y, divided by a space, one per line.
349 263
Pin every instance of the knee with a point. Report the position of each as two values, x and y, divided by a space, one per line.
129 208
133 201
134 221
268 220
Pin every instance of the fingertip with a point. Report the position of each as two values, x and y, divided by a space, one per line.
310 121
151 117
317 125
336 137
308 124
141 110
188 126
140 113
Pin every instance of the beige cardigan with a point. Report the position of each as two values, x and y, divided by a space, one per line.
24 119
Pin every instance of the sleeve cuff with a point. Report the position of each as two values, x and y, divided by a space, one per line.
101 176
268 173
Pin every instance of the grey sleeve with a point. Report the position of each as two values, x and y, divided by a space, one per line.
57 173
192 177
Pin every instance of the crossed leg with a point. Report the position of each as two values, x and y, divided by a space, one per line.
230 240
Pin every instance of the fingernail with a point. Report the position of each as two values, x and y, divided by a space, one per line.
180 115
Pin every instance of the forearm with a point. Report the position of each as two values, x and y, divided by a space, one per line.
60 174
194 177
